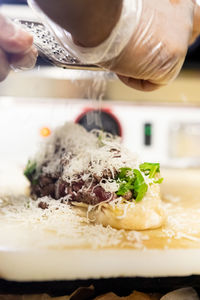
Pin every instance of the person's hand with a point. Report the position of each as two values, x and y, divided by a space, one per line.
196 24
16 50
157 49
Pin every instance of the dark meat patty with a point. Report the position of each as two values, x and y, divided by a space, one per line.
89 192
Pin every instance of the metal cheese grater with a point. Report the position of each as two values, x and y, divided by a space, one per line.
50 49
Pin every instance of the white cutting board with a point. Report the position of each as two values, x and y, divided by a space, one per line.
55 247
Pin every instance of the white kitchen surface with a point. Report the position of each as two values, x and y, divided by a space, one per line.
35 249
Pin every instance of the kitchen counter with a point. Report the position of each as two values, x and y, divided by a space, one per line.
53 82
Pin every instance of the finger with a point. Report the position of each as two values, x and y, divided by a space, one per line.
24 61
13 39
139 84
196 24
193 37
4 65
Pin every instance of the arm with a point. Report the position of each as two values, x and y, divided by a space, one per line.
90 22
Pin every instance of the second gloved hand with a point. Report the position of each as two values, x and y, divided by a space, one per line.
158 46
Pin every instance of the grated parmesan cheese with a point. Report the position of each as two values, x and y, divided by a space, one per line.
57 227
85 154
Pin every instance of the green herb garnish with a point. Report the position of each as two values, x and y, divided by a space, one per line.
100 139
150 169
123 174
133 180
159 181
30 171
126 182
140 187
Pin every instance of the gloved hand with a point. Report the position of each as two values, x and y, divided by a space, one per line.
157 49
196 24
16 50
146 47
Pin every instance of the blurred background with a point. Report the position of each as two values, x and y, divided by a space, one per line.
161 126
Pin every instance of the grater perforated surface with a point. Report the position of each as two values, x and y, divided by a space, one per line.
50 49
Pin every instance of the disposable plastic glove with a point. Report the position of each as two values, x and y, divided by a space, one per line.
16 50
147 46
157 49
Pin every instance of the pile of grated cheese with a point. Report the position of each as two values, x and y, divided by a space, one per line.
23 224
57 227
86 154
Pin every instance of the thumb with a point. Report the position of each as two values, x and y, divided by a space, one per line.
23 61
196 23
13 39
